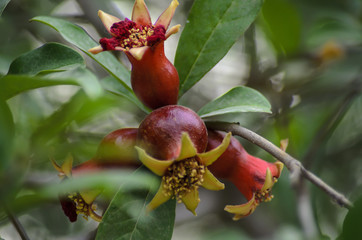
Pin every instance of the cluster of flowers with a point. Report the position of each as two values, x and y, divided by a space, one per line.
172 141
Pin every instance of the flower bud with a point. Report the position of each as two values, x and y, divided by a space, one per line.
171 143
154 78
253 176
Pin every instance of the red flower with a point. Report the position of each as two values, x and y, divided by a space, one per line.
116 150
253 176
154 79
171 143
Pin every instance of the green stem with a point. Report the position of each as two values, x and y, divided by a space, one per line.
15 221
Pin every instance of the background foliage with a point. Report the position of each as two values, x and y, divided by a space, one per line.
56 98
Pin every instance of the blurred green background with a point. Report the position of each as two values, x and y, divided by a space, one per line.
304 56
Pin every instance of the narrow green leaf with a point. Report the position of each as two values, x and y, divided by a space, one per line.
282 23
6 136
238 99
84 78
211 29
352 223
111 85
12 85
108 180
3 4
54 125
49 57
77 36
126 218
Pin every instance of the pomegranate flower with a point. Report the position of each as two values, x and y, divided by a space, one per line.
154 79
253 176
116 150
76 203
182 176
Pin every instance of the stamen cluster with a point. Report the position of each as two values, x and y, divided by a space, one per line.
81 206
183 177
265 195
127 34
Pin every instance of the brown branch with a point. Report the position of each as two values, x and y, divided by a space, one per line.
293 165
16 223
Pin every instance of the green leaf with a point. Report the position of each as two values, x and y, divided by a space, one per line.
3 4
84 78
6 136
107 180
111 85
352 223
238 99
282 23
211 29
12 85
77 36
348 132
49 57
126 218
59 120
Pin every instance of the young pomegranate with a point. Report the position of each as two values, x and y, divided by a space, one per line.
116 150
253 176
154 78
171 143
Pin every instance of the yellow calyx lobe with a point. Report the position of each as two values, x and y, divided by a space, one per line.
84 208
264 194
182 177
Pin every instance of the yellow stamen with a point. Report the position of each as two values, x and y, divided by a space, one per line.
183 177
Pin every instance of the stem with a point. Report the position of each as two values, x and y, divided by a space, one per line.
15 221
250 49
294 166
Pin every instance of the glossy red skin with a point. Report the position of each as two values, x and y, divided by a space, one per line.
235 164
160 132
227 162
118 146
154 78
116 150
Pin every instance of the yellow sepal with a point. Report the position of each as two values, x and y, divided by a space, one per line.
157 166
187 147
165 18
209 157
191 200
159 198
211 182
